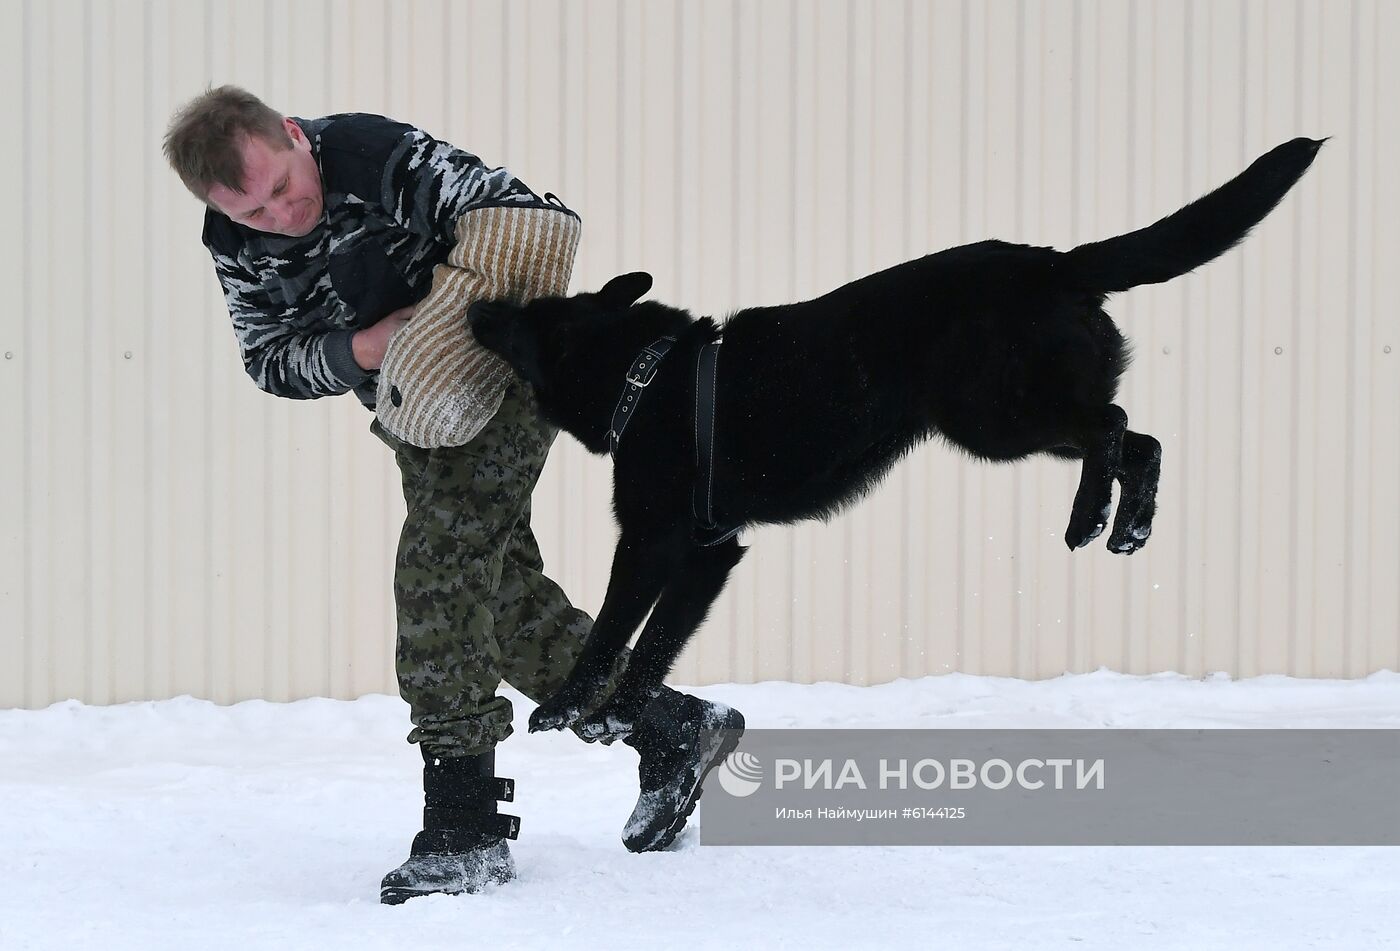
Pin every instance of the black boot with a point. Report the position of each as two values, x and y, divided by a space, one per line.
679 738
463 845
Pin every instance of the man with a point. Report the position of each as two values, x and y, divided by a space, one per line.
324 234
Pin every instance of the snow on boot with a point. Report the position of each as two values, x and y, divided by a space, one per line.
462 847
679 738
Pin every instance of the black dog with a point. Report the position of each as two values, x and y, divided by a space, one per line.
1004 350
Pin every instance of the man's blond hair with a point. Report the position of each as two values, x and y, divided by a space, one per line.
204 142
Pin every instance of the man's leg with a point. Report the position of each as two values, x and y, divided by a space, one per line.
463 504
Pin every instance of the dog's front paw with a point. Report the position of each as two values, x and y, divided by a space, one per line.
611 722
555 716
567 707
604 727
559 712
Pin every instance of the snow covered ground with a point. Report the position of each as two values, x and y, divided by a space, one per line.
186 825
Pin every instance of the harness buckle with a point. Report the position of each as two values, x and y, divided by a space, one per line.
645 370
637 379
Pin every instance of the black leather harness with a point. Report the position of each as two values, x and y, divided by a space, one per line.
707 531
702 504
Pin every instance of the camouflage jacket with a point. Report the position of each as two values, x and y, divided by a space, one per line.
393 195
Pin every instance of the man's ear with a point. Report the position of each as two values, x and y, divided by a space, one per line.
625 289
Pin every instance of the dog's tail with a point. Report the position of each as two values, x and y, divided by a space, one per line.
1199 232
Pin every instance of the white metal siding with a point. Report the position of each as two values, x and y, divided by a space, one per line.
168 529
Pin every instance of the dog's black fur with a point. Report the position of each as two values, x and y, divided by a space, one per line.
1004 350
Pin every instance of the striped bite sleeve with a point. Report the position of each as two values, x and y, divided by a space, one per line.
281 359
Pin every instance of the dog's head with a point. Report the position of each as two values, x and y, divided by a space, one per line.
538 339
566 346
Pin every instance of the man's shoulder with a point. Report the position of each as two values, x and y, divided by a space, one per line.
360 132
354 150
360 138
221 235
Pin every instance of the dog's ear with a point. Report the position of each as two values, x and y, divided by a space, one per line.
625 289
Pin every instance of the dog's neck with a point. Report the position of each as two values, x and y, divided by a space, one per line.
582 401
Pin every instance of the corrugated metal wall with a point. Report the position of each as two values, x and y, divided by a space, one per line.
168 529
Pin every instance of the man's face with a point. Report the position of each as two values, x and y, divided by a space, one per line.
281 187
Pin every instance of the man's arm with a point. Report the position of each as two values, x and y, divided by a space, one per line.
369 345
280 359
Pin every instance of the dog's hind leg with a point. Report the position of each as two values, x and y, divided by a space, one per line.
1103 451
1137 503
680 610
639 571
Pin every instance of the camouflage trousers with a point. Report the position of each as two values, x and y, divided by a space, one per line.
474 605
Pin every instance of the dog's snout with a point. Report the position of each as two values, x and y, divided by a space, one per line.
478 317
488 325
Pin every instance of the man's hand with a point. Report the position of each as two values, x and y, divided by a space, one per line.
369 344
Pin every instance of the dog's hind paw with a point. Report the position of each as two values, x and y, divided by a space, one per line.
1086 523
1125 541
1077 535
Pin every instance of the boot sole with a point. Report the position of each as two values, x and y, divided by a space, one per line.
728 736
397 896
